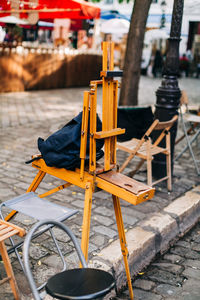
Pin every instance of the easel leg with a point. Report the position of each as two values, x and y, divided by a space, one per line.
122 238
86 219
35 183
9 270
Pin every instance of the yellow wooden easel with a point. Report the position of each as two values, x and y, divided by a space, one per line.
104 177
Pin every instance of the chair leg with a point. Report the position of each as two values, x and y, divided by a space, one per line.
9 270
141 162
126 162
189 145
169 174
86 219
149 171
122 238
168 163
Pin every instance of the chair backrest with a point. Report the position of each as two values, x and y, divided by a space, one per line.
27 244
156 125
164 127
184 98
145 136
184 101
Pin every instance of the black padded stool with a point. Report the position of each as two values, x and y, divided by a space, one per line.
84 283
75 284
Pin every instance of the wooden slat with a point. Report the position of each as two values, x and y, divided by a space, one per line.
19 231
5 280
5 230
2 226
163 125
108 133
142 152
9 234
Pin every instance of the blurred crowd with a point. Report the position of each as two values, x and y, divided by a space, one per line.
189 65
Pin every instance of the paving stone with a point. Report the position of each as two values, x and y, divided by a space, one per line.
173 258
141 295
50 246
37 252
54 262
104 211
101 219
130 220
167 290
191 272
195 264
185 252
105 231
164 277
98 240
172 268
7 193
184 244
24 219
146 285
78 204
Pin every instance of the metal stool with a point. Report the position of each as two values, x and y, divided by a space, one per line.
77 284
40 209
6 231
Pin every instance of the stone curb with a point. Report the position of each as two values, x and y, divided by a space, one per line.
154 235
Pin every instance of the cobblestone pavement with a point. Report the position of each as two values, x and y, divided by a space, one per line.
174 275
26 116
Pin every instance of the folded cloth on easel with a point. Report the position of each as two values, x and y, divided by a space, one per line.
62 148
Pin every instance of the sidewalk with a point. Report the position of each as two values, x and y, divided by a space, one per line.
150 226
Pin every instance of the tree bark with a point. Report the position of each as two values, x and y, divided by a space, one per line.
133 56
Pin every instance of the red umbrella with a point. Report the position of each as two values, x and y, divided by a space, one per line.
50 9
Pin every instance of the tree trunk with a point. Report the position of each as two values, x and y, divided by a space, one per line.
133 57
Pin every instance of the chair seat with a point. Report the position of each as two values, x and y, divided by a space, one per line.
191 118
142 152
81 283
30 204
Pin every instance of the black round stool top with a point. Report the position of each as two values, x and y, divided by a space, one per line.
81 283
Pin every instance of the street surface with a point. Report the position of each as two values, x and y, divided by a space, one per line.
174 275
26 116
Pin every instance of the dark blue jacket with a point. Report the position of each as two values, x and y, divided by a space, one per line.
62 148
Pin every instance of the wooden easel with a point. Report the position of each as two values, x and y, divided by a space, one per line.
104 177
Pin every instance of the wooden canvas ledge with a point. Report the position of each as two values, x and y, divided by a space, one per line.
112 182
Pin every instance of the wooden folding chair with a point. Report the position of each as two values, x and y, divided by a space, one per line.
145 149
191 127
6 231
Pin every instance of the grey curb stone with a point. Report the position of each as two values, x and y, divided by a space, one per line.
152 236
141 247
166 228
186 209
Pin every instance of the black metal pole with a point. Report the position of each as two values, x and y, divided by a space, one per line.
168 94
